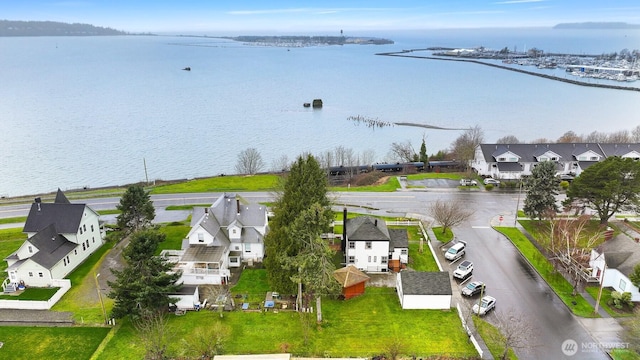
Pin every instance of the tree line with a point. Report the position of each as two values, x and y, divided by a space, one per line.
53 28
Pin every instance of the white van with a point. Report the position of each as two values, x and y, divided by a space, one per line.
456 251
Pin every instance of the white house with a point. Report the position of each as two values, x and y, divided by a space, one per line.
512 161
224 235
612 263
369 244
424 290
61 235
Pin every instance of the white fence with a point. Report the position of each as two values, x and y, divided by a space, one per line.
64 285
468 330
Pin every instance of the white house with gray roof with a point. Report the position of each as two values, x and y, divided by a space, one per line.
613 261
370 245
512 161
222 236
60 236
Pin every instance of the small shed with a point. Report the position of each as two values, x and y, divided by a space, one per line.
188 298
424 290
352 280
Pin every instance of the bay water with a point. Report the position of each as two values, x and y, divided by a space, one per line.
91 111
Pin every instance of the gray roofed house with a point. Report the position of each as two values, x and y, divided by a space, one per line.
61 235
620 254
373 247
229 228
511 161
424 290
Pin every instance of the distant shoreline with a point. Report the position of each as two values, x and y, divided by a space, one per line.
550 77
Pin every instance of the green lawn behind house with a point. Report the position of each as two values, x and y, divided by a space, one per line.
37 294
28 343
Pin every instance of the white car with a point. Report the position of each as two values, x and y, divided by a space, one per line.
487 304
491 181
456 251
468 182
464 270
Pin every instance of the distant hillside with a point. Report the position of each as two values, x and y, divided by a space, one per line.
52 28
597 25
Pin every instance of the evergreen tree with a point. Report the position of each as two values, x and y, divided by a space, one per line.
423 153
136 208
144 284
607 187
306 184
542 188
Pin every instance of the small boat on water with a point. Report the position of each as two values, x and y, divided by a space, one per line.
187 68
306 104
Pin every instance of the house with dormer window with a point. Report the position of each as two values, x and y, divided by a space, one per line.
512 161
222 236
60 236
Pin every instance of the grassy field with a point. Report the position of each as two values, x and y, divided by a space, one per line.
221 184
175 233
18 219
559 284
390 185
10 241
50 342
443 237
362 326
493 338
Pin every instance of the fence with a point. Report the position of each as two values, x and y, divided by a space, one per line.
64 284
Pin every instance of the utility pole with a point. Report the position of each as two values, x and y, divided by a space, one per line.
104 312
144 161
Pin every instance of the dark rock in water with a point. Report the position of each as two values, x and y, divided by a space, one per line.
187 69
306 104
317 103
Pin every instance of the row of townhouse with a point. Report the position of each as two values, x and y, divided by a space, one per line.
512 161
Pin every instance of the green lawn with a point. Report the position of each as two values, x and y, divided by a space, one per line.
175 233
10 241
390 185
12 220
360 327
442 237
37 294
54 343
559 284
540 231
220 184
493 338
253 284
604 301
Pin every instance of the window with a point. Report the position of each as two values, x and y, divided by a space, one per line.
200 237
84 247
30 249
75 251
93 239
91 228
367 245
87 243
80 230
352 259
247 248
30 274
623 285
384 259
375 259
233 260
352 245
84 227
40 274
502 159
594 158
64 261
234 231
403 251
68 261
369 258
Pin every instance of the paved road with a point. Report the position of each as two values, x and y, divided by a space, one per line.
517 287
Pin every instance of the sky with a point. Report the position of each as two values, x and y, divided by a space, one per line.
285 16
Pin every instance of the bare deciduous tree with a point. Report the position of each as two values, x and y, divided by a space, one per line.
464 147
517 332
403 152
281 164
570 244
596 137
569 137
509 139
249 162
154 332
622 136
368 157
635 134
449 213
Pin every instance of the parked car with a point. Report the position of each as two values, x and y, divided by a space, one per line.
464 270
456 251
468 182
473 288
487 304
491 181
566 177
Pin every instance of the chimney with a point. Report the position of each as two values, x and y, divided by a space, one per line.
238 205
375 222
206 210
343 243
38 201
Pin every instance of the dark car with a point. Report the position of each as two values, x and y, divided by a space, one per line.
473 288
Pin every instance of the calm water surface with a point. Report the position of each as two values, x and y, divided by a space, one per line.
81 112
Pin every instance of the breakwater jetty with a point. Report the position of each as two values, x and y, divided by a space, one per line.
412 54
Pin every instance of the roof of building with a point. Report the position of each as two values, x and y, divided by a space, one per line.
203 253
398 239
425 283
61 212
229 208
52 246
366 228
565 151
620 253
349 276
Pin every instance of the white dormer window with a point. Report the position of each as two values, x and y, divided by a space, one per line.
502 159
234 231
200 237
554 159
